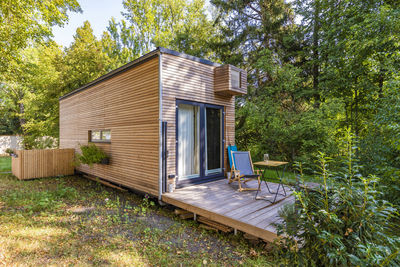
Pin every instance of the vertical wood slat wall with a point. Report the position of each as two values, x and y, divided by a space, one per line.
190 80
43 163
128 105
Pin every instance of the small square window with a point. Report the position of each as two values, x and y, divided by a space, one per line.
235 79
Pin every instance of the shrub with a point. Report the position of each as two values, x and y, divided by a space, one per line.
91 154
343 222
9 151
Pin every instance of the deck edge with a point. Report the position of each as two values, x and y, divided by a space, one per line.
242 226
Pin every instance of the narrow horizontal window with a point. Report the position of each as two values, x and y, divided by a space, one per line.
100 136
235 79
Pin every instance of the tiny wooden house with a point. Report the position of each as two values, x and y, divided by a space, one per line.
162 115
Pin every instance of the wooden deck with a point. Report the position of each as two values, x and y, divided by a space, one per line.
221 202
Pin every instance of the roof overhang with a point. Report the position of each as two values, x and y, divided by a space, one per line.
136 62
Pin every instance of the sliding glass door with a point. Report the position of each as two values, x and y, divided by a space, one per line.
213 130
199 141
188 141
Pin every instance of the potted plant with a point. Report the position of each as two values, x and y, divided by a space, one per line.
105 161
9 151
92 154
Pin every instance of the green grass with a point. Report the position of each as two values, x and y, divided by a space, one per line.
5 164
289 177
74 221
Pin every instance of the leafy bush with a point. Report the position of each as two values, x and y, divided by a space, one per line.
91 154
344 222
380 147
33 141
9 151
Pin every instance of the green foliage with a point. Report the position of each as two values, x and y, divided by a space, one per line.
30 97
177 24
280 119
27 21
5 164
357 43
144 207
86 59
9 124
380 147
344 222
37 201
9 151
91 154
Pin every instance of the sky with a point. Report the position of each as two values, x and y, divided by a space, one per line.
97 12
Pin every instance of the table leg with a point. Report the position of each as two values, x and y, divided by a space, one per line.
265 179
280 180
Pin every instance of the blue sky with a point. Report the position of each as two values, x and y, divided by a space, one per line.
97 12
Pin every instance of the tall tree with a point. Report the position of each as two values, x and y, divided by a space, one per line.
42 83
177 24
47 73
86 59
26 21
351 45
277 115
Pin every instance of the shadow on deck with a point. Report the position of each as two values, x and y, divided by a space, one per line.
221 202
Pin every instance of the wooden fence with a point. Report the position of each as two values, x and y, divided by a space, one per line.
43 163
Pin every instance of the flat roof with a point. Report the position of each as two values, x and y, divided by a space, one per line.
136 62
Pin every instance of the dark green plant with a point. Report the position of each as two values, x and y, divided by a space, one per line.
91 154
344 222
9 151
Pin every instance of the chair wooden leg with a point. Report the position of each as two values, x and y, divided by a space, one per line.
231 178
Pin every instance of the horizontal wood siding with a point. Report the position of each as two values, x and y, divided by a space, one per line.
128 105
189 80
40 163
222 84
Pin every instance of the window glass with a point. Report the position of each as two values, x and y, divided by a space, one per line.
100 135
106 135
235 79
213 140
188 141
95 135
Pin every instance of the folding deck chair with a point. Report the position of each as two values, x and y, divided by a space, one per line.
242 170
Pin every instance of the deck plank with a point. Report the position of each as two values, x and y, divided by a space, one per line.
248 209
223 203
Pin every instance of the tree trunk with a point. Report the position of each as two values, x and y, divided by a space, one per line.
22 120
315 71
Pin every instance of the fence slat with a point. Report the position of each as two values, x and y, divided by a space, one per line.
43 163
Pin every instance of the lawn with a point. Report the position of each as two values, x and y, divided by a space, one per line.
289 177
5 164
74 221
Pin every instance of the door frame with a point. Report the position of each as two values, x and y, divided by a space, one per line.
202 178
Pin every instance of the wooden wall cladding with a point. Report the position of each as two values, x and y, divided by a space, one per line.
128 105
222 84
41 163
189 80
